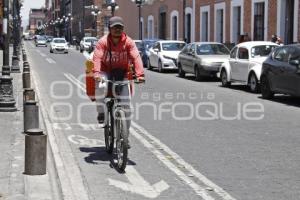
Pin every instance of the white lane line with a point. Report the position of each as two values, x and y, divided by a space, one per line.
220 191
49 60
69 175
43 55
199 190
38 51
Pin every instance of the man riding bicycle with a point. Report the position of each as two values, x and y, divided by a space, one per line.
112 56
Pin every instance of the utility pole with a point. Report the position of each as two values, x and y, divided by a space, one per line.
183 22
7 101
140 23
6 32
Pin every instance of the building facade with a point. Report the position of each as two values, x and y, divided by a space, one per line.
36 19
214 20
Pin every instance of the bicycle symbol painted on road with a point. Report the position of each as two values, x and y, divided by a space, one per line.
84 141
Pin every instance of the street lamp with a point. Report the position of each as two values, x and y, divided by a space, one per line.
95 13
67 22
112 6
139 4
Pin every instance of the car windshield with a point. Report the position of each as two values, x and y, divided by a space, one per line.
262 50
149 44
90 40
41 39
174 46
59 41
212 49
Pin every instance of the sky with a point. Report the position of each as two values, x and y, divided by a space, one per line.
27 5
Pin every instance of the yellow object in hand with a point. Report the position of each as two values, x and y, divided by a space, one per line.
89 65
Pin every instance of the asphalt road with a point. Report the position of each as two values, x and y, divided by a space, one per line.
190 140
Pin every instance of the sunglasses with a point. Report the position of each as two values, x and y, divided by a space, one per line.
118 27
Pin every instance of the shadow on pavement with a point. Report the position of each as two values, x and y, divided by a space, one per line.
205 79
100 154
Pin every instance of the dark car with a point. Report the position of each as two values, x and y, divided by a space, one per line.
281 72
144 49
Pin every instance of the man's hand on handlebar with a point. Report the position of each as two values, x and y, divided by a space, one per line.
140 80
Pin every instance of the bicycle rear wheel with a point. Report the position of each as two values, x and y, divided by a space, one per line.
109 133
121 140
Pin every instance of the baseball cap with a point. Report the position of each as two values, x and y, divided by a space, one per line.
116 20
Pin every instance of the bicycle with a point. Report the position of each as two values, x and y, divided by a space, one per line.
115 126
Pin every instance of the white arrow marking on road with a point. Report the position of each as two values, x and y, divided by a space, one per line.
138 185
50 61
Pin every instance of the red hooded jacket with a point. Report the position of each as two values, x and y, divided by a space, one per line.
108 56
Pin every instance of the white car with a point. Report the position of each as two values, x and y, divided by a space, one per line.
41 41
164 54
59 45
245 63
86 42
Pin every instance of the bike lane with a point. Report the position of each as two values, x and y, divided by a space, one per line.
150 171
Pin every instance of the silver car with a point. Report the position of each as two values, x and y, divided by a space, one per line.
202 59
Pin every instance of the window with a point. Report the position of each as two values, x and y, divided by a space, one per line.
172 46
157 46
188 24
174 27
205 26
205 23
186 49
281 54
192 49
262 50
243 53
212 49
295 53
259 19
233 53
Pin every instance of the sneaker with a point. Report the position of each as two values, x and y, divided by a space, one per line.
100 118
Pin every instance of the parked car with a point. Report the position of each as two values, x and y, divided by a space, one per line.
93 46
164 54
202 59
41 41
245 63
281 72
139 46
146 45
59 45
86 42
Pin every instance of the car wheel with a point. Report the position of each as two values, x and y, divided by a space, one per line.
181 73
66 52
51 51
265 88
198 74
81 50
149 64
253 83
224 79
160 67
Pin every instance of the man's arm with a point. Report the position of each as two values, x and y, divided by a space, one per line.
98 57
137 62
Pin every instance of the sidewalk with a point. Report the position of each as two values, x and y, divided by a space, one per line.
14 185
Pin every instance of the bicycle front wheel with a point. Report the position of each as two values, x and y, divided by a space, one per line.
121 140
109 133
